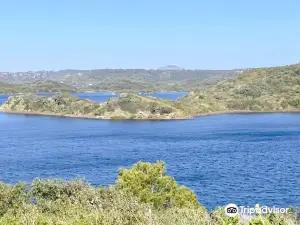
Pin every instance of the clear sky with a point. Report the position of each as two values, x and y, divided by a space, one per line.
195 34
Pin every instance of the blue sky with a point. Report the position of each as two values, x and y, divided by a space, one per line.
195 34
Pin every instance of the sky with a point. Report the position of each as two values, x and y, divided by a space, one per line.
193 34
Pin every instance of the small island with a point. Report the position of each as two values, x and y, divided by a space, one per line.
127 106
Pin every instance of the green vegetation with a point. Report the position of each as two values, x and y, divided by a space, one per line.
42 86
259 90
170 78
244 84
143 194
139 80
127 106
121 84
147 81
151 185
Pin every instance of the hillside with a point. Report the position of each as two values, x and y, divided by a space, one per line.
41 86
127 106
125 80
258 90
170 67
9 88
140 80
261 90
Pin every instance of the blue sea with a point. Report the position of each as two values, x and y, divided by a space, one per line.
238 158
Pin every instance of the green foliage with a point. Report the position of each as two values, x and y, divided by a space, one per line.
295 102
43 86
151 184
11 196
120 80
270 219
56 189
145 81
219 218
144 195
127 106
255 90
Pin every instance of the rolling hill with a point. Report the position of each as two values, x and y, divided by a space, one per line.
41 86
125 80
260 90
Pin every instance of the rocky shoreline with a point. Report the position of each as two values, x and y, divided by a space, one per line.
89 117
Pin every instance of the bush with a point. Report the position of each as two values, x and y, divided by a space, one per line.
273 219
11 196
295 102
56 189
150 184
218 217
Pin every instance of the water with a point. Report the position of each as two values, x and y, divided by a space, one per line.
3 98
104 96
244 159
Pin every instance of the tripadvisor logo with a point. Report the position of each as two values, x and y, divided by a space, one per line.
231 210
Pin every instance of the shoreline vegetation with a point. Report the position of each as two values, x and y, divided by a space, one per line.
120 118
143 194
127 106
275 89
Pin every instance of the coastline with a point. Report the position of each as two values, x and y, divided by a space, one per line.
247 112
83 116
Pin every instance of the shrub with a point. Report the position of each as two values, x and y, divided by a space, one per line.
272 219
295 102
11 196
218 217
56 189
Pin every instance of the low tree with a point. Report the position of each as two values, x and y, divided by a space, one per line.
150 184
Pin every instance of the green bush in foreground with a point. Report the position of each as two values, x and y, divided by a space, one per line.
150 184
143 195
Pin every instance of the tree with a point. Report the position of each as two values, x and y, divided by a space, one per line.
150 184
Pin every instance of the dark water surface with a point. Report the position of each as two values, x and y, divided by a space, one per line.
244 159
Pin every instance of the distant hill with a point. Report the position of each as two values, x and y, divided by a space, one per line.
141 80
124 80
170 67
42 86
